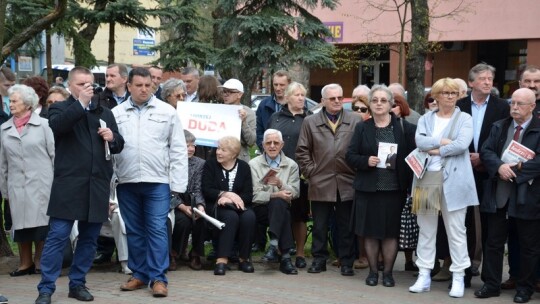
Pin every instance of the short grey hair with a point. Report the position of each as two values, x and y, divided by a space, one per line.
382 87
331 86
269 132
169 86
360 90
27 94
398 87
190 138
191 71
479 68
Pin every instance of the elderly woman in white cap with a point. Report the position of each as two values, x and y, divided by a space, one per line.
232 91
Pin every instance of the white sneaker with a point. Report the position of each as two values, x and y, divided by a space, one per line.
458 285
423 283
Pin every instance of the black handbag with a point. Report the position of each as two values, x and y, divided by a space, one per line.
408 230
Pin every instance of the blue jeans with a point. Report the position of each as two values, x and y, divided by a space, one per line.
144 208
51 258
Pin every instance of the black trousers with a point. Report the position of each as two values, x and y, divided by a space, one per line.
183 226
239 226
319 247
529 254
492 264
276 215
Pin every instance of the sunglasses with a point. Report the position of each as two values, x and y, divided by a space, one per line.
359 109
430 100
395 105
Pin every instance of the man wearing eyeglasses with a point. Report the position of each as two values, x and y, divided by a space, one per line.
115 87
320 153
233 90
485 109
514 191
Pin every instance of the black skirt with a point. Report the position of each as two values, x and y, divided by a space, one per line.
378 214
34 234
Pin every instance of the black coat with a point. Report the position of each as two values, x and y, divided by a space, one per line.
525 199
290 126
213 183
363 145
82 175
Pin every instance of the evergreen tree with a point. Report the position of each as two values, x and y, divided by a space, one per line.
272 34
183 41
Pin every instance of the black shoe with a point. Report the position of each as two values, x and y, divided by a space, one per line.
317 267
485 292
300 262
246 266
347 271
287 267
43 298
220 269
372 279
410 266
388 280
101 258
292 251
80 293
474 271
21 272
522 297
271 255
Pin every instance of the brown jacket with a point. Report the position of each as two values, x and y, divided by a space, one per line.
321 156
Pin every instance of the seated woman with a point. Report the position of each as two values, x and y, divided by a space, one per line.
227 189
273 194
184 225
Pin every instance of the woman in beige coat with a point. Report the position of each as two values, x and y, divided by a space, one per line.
26 164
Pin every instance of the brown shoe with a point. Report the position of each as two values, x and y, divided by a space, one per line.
159 290
360 264
195 263
172 263
509 284
132 284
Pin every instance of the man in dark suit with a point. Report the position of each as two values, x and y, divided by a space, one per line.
485 109
80 190
514 189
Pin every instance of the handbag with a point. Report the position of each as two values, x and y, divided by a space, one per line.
408 229
428 190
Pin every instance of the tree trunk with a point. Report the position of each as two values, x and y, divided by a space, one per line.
48 57
111 42
418 50
83 50
3 6
39 25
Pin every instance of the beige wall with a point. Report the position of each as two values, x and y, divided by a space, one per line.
124 42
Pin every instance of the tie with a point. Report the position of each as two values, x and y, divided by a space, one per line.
517 133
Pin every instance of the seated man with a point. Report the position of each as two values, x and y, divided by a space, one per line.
276 182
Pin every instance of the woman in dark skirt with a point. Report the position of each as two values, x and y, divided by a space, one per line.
380 190
26 164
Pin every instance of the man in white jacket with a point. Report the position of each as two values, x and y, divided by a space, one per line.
153 164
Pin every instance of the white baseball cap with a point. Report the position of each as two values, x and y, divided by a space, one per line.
233 84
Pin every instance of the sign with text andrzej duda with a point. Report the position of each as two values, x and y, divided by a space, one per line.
336 28
141 47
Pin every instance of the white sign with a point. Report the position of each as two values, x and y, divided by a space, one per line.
25 64
210 122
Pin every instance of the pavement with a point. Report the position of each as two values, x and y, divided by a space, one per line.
266 285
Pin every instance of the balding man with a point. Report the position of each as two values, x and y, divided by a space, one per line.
514 191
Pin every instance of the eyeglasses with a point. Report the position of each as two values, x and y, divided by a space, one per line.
338 98
274 143
449 94
520 103
180 96
430 100
230 91
359 109
382 100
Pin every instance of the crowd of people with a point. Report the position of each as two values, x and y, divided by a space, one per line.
73 159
